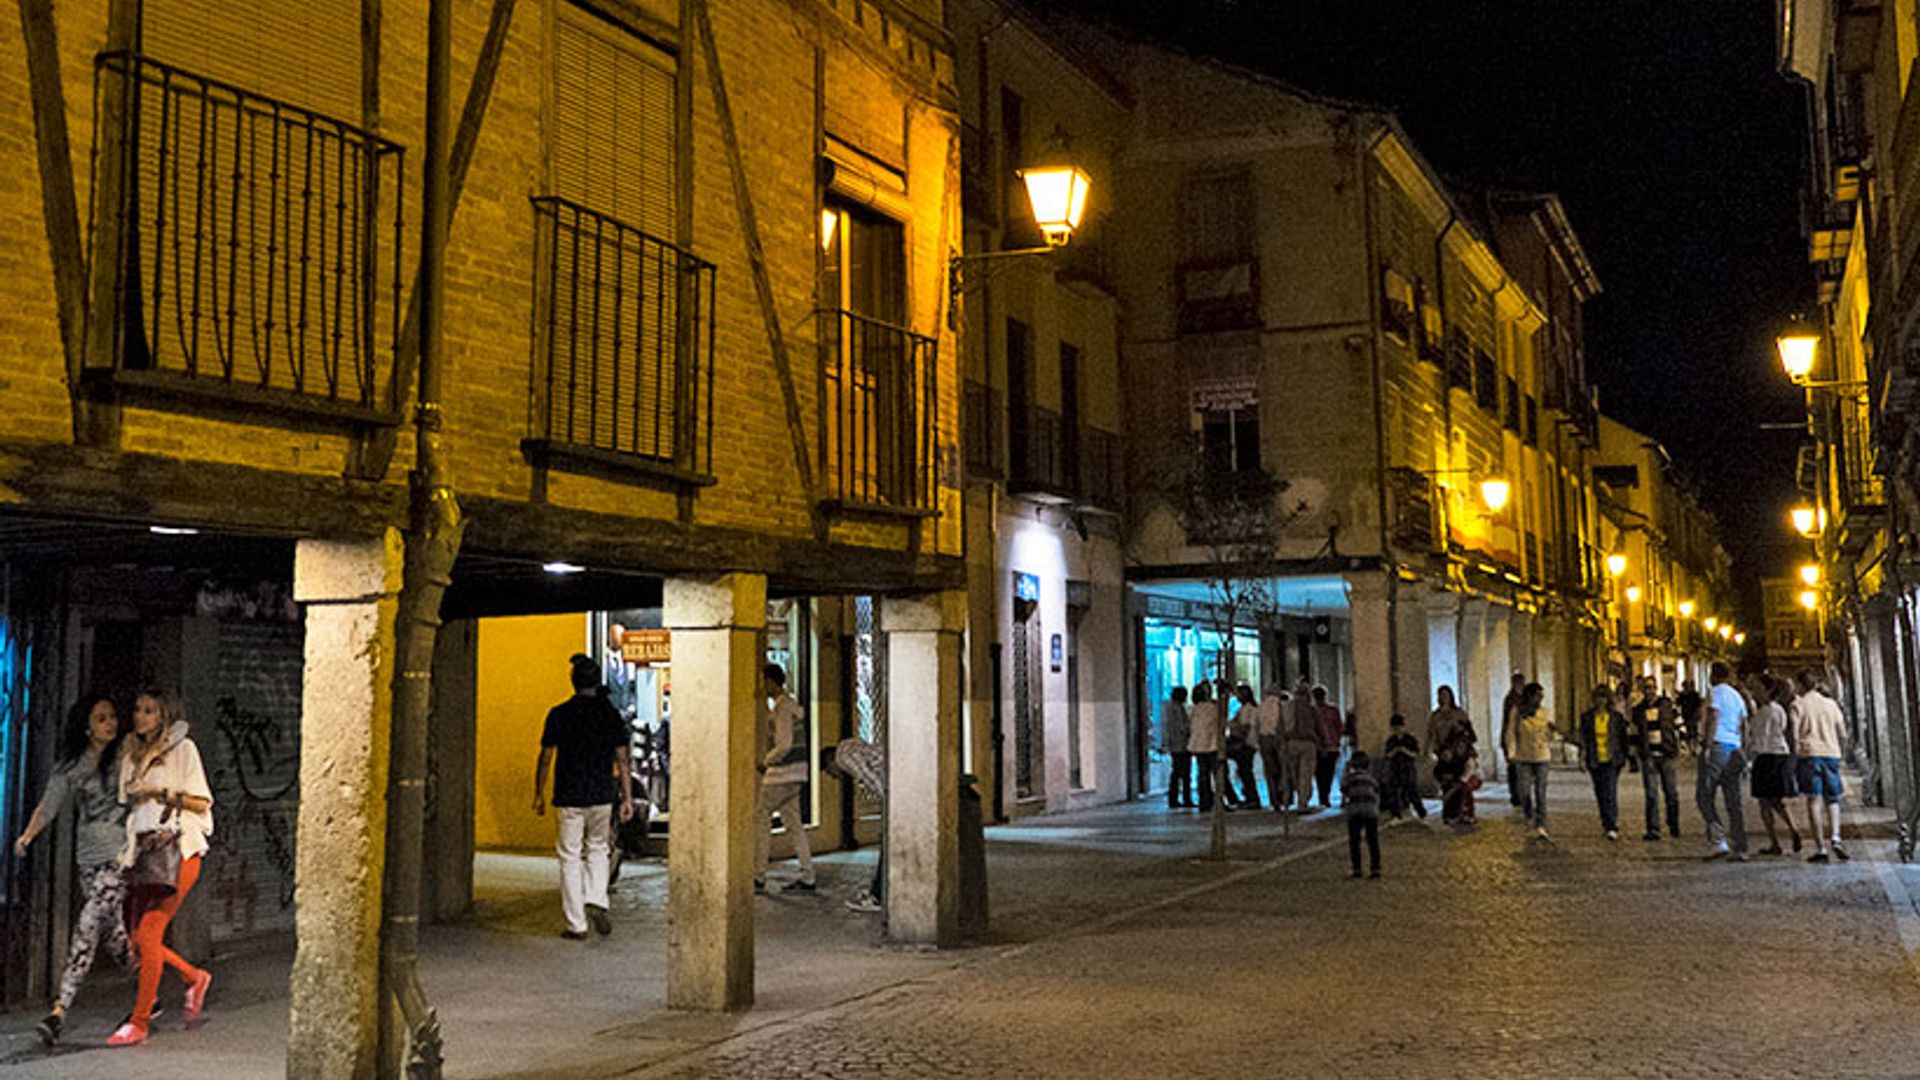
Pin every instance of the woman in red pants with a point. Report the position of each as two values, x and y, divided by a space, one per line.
165 787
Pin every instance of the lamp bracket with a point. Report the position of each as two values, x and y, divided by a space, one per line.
960 282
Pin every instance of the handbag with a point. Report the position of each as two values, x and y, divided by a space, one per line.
156 860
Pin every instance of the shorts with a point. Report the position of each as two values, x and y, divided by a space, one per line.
1820 778
1773 776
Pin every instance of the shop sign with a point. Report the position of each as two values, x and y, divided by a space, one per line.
1056 654
1166 608
1225 395
647 647
1026 587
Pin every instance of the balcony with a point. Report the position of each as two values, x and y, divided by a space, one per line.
246 252
1414 526
622 375
1044 457
878 405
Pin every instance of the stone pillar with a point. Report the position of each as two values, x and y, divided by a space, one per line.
1412 687
1493 763
1370 613
1521 648
923 766
716 626
1443 645
1549 648
1474 667
351 593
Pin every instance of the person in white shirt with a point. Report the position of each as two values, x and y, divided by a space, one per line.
783 776
1819 738
1205 733
1273 762
1773 759
1723 762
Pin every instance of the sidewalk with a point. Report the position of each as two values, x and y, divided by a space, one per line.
515 1000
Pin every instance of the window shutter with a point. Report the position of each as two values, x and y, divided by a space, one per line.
613 122
302 52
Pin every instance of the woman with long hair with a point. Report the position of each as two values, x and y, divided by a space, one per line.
1773 778
165 788
86 779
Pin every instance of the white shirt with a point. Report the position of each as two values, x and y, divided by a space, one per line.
178 769
1819 729
1269 722
1203 736
1767 730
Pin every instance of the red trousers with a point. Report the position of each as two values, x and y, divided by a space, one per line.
149 936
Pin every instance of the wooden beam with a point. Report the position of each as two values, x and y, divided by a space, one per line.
756 254
149 488
372 452
58 205
613 542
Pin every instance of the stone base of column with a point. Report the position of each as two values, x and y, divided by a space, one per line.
923 767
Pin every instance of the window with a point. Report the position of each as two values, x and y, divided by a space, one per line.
613 122
1219 276
1486 383
1531 420
1433 326
1396 305
1016 213
1230 440
1513 404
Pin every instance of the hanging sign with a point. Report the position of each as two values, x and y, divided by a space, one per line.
1055 653
647 647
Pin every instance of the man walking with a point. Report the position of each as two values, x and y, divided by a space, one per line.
1819 734
1173 740
584 745
1508 706
1327 760
1654 735
1723 733
1302 746
783 776
1603 750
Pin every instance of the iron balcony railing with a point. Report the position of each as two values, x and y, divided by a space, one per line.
623 348
251 247
1041 462
879 398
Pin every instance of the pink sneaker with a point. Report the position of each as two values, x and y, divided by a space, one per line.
128 1035
197 994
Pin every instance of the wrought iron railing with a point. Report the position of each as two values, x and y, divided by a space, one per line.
1100 468
254 246
623 344
879 400
1039 459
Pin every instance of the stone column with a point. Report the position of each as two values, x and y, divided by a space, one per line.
1412 685
1493 763
1370 613
351 593
1522 650
923 766
1474 666
716 626
1443 645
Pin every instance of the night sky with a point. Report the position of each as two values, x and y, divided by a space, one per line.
1677 149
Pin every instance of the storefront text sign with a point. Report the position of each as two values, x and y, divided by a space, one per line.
1226 395
647 647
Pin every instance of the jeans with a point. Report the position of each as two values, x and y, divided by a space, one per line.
1606 792
1249 794
1205 763
1301 756
1657 780
1533 791
1358 826
1180 780
586 838
1274 763
1721 767
782 797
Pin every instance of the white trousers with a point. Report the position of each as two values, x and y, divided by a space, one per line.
586 834
784 798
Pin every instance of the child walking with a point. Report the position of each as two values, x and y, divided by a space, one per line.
1360 795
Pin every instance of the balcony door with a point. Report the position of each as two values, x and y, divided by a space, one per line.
870 357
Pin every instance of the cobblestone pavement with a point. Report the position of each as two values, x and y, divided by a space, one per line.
1478 953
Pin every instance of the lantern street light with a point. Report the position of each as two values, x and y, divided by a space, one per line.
1617 564
1686 609
1740 637
1807 520
1493 493
1057 194
1810 573
1633 594
1726 631
1799 348
1809 599
1710 623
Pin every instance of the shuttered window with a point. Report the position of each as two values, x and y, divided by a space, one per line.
613 123
303 52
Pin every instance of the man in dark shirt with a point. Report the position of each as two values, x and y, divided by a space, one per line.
1689 704
1654 736
584 744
